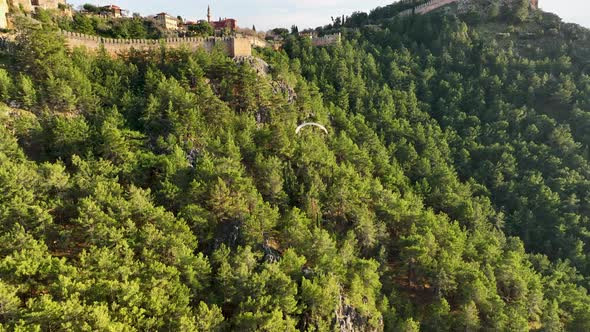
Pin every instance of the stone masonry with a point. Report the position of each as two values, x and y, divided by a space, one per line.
30 5
327 40
25 5
234 46
48 4
10 7
434 4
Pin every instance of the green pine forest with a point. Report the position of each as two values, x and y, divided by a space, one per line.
168 191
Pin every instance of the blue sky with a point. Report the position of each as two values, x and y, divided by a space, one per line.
266 14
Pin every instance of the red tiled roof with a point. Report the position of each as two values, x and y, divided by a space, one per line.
228 22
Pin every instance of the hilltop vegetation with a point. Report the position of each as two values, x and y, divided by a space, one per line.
168 190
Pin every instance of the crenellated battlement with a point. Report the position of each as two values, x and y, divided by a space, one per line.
234 46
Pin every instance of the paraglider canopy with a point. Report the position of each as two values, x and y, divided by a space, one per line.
303 125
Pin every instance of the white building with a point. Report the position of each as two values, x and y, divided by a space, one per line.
167 21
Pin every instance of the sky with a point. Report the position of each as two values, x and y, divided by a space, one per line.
267 14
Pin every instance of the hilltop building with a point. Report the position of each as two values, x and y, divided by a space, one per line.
227 24
167 21
221 27
111 11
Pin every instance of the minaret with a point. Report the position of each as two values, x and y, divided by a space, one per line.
209 14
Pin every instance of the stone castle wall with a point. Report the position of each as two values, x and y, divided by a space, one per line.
30 5
327 40
25 5
235 47
257 42
48 4
239 47
426 7
434 4
10 7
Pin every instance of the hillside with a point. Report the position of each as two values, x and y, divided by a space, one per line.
167 189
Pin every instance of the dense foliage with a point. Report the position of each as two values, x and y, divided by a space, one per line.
93 22
169 191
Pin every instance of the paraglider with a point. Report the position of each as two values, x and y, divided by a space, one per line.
303 125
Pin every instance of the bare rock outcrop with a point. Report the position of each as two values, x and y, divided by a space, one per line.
349 319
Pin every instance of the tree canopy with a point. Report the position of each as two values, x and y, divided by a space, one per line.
167 189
